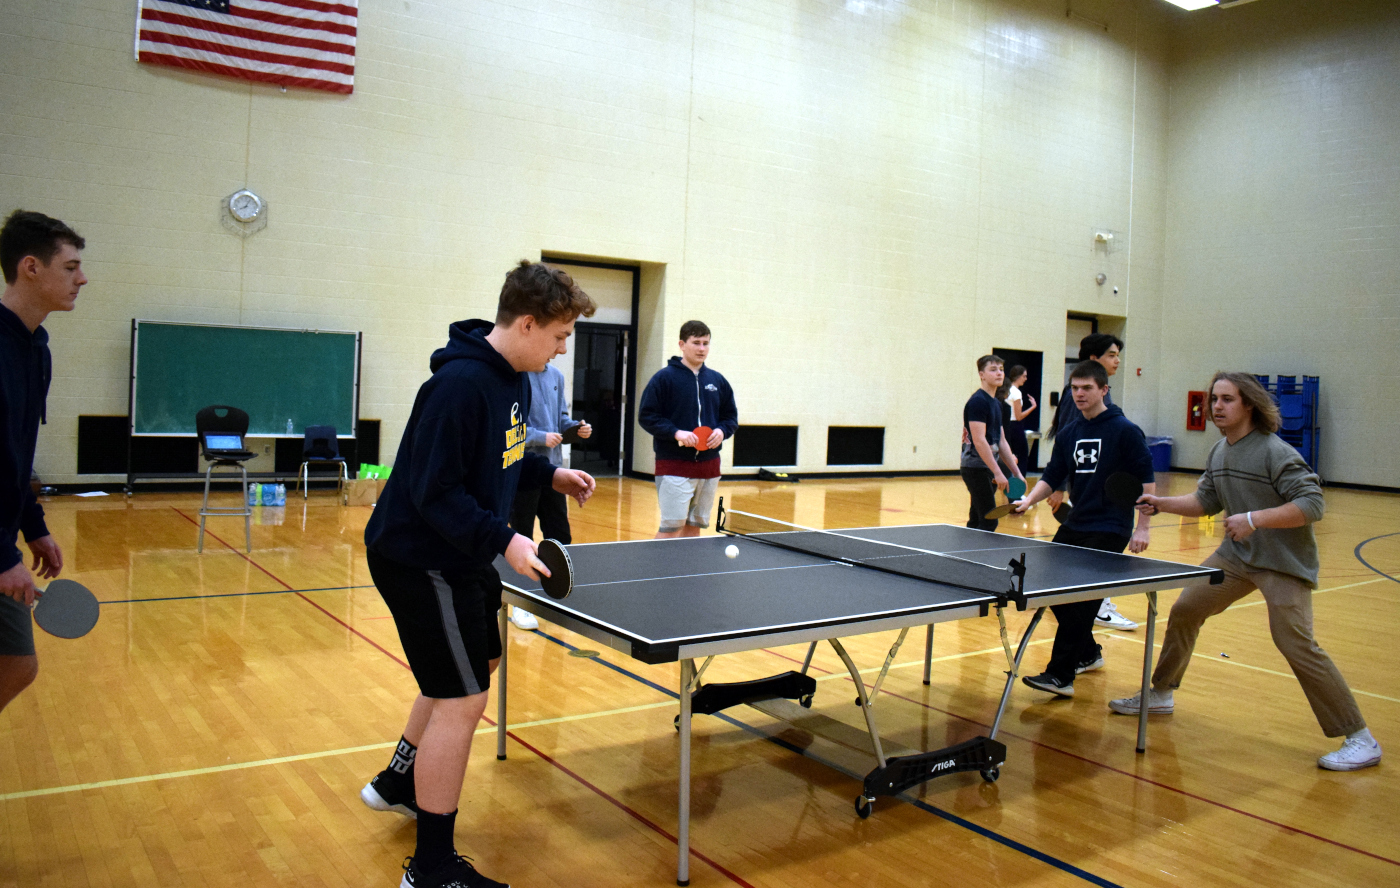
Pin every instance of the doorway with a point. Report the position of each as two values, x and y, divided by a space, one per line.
1033 361
599 397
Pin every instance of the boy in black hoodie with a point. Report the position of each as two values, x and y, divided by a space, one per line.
1087 451
43 273
681 397
437 528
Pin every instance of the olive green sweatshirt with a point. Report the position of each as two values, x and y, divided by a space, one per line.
1261 471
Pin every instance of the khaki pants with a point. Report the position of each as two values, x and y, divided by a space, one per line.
1289 601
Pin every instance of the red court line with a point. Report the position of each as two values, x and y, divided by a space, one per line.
1147 780
302 595
699 855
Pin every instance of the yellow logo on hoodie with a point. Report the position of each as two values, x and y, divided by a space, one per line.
515 438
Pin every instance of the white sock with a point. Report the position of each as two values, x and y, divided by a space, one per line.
1363 734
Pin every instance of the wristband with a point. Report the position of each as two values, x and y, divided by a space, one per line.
1249 516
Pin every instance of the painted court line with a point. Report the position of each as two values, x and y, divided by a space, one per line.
306 756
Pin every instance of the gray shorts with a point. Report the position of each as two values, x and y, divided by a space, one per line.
16 629
685 501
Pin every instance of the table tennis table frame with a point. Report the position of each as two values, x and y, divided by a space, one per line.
982 754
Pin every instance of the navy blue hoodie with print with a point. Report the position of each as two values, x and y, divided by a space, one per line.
1087 452
676 399
462 456
25 371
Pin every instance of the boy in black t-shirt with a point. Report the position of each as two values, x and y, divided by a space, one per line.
981 440
1087 451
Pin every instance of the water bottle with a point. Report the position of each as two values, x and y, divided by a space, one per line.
280 496
253 498
289 427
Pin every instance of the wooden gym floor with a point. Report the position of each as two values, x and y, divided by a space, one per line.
216 727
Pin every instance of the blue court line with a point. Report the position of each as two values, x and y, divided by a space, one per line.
1357 553
918 803
236 594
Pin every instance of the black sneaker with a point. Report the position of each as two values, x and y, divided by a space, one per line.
1089 665
1047 682
385 793
457 872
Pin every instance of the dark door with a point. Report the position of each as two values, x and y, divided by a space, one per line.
599 397
1032 361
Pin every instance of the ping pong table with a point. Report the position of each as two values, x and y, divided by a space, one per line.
667 601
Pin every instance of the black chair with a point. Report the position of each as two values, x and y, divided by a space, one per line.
223 420
320 446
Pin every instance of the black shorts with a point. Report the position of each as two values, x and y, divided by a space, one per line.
16 629
447 624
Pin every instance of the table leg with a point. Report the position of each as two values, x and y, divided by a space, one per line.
807 660
1014 667
863 701
683 805
928 654
501 685
1146 671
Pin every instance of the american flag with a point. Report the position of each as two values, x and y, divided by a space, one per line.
287 42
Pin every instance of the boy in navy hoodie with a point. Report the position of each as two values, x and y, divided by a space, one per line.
683 396
43 273
1087 451
438 526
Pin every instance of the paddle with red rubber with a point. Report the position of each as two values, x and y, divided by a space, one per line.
702 437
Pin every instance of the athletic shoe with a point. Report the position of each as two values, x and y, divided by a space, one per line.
457 872
383 793
1356 753
523 619
1109 616
1158 703
1090 664
1047 682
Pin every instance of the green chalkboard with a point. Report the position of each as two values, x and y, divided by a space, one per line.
311 377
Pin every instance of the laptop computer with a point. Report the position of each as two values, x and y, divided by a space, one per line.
225 445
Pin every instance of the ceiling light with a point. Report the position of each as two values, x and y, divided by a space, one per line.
1193 4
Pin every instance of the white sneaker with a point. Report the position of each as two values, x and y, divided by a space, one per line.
1158 703
1356 753
1109 616
523 619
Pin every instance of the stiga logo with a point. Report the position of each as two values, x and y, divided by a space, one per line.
515 438
711 387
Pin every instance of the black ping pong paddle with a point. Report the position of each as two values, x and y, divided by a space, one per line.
66 609
560 581
1123 489
1062 513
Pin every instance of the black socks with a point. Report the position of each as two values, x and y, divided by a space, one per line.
435 846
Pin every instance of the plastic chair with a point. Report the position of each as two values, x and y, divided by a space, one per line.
217 419
321 446
1291 414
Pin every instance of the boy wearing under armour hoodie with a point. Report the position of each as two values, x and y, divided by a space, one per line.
435 532
1087 452
683 396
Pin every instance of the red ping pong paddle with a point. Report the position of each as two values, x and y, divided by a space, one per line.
560 581
66 609
702 437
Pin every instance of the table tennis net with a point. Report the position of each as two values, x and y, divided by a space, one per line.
849 547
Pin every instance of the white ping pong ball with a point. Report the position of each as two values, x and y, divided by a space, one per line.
731 551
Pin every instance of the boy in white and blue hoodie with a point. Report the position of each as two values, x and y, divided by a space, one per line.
1101 443
681 397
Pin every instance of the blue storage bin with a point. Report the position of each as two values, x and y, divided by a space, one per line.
1161 453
